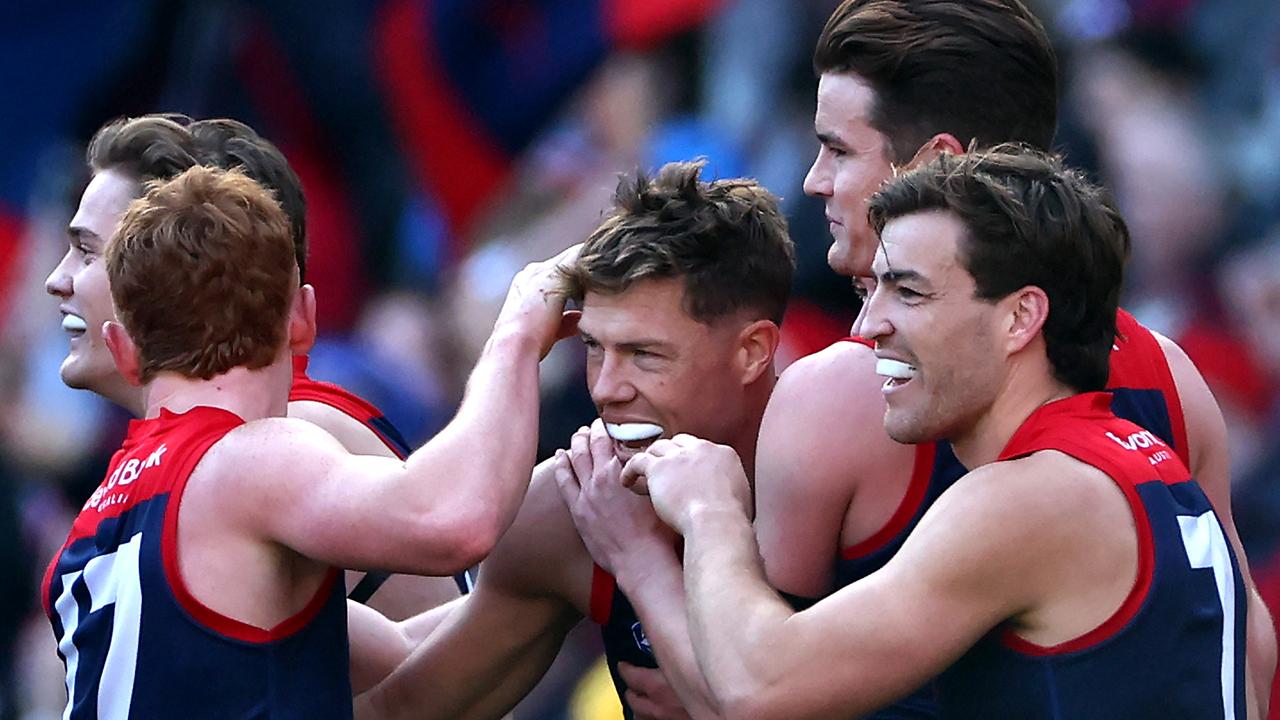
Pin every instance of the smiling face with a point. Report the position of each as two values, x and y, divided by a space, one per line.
924 314
80 282
649 362
852 162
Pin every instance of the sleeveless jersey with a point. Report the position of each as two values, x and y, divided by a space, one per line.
305 389
1176 646
137 644
1142 391
624 638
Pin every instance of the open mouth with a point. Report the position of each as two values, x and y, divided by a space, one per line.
896 372
74 325
633 436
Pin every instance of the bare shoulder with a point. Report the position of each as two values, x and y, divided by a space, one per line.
828 402
541 553
354 435
266 454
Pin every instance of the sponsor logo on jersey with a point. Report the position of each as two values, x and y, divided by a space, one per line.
642 642
1140 440
123 476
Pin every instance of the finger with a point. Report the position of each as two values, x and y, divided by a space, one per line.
580 454
642 708
565 480
660 448
601 449
685 440
635 470
639 679
566 256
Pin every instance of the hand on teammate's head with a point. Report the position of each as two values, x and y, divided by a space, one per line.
535 304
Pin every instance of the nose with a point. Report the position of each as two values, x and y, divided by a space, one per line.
610 385
59 281
875 320
817 182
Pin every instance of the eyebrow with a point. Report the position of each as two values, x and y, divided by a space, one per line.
641 344
827 138
82 233
897 276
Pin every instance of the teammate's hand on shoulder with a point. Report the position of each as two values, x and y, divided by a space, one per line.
616 525
535 306
685 475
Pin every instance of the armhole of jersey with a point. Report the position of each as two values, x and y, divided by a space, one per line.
1131 330
859 340
921 474
602 589
1141 584
354 407
200 613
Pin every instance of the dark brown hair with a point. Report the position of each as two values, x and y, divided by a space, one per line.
160 146
1030 221
202 274
981 70
725 238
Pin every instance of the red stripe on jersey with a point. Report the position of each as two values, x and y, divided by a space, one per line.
602 589
1029 439
203 614
921 473
306 389
858 339
1140 362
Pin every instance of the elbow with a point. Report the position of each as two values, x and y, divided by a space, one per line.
460 540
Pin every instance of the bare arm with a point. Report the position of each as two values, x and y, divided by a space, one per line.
822 447
492 650
401 596
1211 467
443 509
994 547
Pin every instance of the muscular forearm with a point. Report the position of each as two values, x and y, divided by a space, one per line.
655 587
479 465
732 610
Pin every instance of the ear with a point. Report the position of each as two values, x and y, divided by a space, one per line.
935 146
1028 309
302 321
568 324
123 352
757 344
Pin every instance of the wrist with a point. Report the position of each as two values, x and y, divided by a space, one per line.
637 565
512 340
713 518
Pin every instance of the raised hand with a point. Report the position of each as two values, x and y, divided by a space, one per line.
685 475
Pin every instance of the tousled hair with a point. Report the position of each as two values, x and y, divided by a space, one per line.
1030 221
726 239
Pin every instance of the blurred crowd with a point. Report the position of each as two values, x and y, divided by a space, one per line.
444 144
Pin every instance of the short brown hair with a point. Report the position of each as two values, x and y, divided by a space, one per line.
202 274
726 239
1030 220
160 146
980 70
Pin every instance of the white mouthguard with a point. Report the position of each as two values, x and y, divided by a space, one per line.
894 369
73 323
633 432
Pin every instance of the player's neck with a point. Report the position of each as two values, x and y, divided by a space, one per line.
757 397
249 394
1023 393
